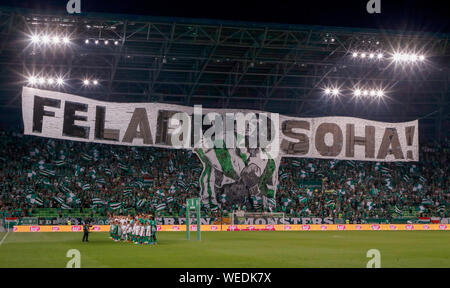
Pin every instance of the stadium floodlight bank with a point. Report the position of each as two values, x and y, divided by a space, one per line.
193 204
241 217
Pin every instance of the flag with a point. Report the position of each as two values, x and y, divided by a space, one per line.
33 199
140 203
115 205
160 207
97 201
351 183
302 199
286 201
85 156
86 186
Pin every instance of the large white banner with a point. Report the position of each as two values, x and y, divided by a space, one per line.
65 116
240 150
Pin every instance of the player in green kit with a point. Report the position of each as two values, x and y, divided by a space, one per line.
154 229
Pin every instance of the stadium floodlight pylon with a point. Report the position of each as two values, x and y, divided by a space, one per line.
193 204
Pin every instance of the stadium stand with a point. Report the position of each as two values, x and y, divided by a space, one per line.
50 178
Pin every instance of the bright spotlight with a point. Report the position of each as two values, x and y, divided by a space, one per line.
379 56
335 92
96 42
86 82
404 57
355 54
35 39
327 91
396 56
66 40
380 93
86 41
365 92
363 55
32 80
45 39
421 57
95 82
50 81
357 93
413 57
116 43
373 93
59 81
106 42
55 40
371 55
41 80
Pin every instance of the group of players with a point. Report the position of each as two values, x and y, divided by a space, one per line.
140 229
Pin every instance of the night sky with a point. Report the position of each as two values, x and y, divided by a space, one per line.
414 15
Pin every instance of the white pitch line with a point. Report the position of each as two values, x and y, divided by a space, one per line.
4 237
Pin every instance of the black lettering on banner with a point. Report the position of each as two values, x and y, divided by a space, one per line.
390 145
409 140
100 132
139 119
39 112
302 146
69 127
162 127
368 141
321 146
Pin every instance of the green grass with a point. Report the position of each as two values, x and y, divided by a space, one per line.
233 249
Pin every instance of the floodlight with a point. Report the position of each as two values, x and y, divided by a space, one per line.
50 81
86 41
335 92
363 55
355 54
327 91
45 39
380 55
86 82
95 82
35 39
357 92
32 80
60 81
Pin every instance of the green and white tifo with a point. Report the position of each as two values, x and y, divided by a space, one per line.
232 249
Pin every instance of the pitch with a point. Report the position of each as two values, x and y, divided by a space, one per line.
232 249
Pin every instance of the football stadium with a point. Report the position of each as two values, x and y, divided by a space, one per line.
145 141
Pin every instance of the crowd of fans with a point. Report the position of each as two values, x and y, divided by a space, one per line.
39 172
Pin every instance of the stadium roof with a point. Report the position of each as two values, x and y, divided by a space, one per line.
274 67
